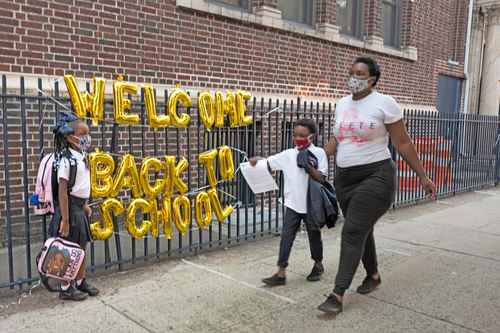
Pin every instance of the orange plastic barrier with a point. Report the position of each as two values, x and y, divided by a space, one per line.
435 156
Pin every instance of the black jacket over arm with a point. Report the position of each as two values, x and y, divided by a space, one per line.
322 208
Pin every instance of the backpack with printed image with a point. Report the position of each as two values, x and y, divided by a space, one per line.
58 262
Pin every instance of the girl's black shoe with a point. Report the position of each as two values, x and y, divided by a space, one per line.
87 288
72 294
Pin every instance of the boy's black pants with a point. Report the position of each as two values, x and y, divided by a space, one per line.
291 225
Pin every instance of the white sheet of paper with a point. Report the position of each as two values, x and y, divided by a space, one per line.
258 177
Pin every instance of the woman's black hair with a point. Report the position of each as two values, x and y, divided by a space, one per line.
373 67
309 123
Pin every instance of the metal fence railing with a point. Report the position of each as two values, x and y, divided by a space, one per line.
459 153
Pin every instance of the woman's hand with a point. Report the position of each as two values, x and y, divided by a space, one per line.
429 187
64 228
87 210
331 147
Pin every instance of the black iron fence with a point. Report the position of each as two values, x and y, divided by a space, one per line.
460 152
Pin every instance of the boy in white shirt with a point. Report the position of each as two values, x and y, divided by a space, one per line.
295 195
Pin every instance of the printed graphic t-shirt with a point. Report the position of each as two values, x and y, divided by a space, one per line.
360 128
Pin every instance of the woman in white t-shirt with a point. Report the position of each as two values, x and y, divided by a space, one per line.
365 176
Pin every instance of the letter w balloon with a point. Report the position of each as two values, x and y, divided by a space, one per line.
84 103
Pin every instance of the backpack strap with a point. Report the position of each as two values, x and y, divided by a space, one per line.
72 174
44 169
71 182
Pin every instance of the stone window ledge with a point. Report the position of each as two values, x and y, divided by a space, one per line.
271 17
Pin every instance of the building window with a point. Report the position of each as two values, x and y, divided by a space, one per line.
350 17
235 3
391 22
297 10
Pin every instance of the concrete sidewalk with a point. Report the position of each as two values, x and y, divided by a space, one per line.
440 265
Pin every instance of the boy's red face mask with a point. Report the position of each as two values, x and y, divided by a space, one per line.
302 143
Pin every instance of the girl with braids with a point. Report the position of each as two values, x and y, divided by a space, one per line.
71 194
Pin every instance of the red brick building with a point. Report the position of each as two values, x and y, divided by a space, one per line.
271 47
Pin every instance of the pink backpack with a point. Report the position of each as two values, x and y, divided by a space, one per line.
42 199
46 185
59 261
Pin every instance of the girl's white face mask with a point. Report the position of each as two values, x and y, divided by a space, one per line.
357 85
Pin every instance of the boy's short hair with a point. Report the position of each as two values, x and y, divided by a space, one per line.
309 123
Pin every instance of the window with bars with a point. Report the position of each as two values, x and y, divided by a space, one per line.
391 18
350 17
301 11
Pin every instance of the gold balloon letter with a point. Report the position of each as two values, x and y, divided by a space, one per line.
220 213
179 95
84 103
122 104
207 159
103 230
162 217
219 110
155 164
127 177
101 167
154 120
226 163
173 175
241 97
203 204
130 221
230 109
181 211
206 109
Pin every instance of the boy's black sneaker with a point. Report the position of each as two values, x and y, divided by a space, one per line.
369 284
274 281
72 294
331 305
316 272
87 288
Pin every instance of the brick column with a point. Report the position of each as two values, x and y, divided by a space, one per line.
326 17
408 23
373 22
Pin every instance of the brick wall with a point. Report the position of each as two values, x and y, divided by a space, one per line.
155 41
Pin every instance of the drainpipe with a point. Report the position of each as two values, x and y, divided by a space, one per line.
481 65
462 147
467 55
